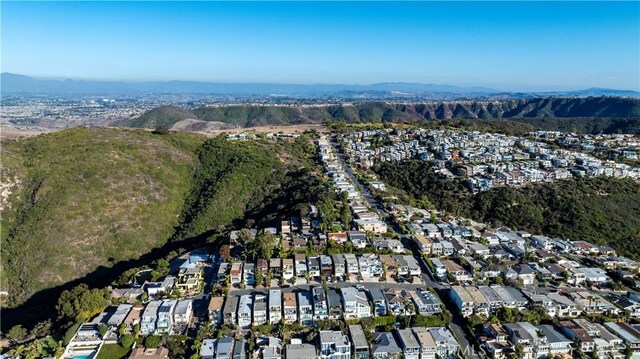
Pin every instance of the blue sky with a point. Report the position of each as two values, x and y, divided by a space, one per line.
505 45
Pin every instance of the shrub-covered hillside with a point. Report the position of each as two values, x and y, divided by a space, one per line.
85 199
88 197
600 210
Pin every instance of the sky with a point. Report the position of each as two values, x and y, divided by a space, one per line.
504 45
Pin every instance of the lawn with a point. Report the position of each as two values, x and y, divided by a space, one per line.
112 351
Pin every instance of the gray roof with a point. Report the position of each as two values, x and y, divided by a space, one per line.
304 299
301 351
182 307
333 297
376 294
384 342
553 336
407 339
275 297
357 336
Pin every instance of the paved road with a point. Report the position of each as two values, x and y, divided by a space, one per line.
457 324
377 206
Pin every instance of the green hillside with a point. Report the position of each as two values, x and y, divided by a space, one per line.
87 199
600 210
161 116
590 114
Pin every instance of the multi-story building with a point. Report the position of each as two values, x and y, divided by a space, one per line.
305 308
355 303
408 343
334 345
259 309
275 306
320 308
245 311
290 308
150 317
230 311
359 342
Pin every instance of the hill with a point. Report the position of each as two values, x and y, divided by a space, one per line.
600 210
85 204
537 110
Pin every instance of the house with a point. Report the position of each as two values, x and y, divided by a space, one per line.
249 274
262 266
334 345
224 348
373 225
215 310
370 266
326 266
164 324
270 347
426 302
558 343
208 349
630 335
525 274
313 267
396 299
149 317
379 301
355 303
189 279
359 343
149 353
305 308
221 274
408 343
358 239
386 244
275 306
565 307
119 315
351 263
259 309
593 303
240 349
384 346
339 266
440 270
245 310
428 346
182 315
287 268
301 351
300 264
576 333
320 308
229 312
400 264
447 346
422 243
290 308
235 273
456 271
413 265
275 268
334 302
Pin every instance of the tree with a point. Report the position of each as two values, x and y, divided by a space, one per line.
41 329
127 340
264 245
345 217
176 347
102 329
17 333
152 341
161 130
81 303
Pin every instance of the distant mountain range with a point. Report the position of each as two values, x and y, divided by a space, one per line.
21 84
257 115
